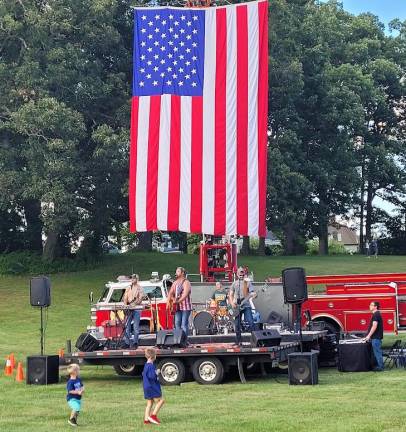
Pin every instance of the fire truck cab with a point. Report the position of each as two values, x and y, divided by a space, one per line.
107 314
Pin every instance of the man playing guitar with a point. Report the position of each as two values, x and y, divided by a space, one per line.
239 295
133 296
179 300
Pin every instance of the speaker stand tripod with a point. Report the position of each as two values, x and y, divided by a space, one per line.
299 324
42 331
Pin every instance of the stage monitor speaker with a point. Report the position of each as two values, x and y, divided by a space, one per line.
175 338
40 291
43 370
294 285
87 343
303 368
265 338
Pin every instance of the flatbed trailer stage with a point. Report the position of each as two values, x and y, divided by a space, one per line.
207 357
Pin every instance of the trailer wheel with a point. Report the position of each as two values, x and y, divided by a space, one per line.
128 369
208 370
172 371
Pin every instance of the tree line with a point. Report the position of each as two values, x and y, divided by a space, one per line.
336 122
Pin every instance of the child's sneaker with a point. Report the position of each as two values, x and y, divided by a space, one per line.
146 422
72 421
154 419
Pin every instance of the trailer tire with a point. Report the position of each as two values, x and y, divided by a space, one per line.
172 371
128 369
208 370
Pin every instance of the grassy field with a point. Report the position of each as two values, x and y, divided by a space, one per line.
341 402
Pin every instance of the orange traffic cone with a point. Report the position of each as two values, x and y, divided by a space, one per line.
20 372
7 370
12 361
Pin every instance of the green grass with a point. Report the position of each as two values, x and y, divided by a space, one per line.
341 402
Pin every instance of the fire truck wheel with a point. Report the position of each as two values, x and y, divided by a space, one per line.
208 370
128 369
172 371
331 328
144 328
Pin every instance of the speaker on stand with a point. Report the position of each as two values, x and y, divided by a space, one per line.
42 369
295 293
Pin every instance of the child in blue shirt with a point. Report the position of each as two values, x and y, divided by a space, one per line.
75 388
152 388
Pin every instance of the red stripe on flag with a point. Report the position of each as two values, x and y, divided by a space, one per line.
152 167
262 113
174 166
196 168
242 120
133 161
220 124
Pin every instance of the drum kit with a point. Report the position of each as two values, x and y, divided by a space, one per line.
214 319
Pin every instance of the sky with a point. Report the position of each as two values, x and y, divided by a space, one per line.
386 10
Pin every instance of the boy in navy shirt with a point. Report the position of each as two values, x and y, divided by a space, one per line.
75 388
152 388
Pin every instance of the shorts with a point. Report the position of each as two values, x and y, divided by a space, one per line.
75 404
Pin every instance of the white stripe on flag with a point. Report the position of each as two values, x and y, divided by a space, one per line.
163 162
253 47
208 123
231 123
186 160
142 162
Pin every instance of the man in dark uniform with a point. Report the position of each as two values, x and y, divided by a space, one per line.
375 334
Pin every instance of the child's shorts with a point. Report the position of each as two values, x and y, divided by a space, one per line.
75 404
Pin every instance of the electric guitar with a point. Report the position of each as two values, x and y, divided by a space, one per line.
235 311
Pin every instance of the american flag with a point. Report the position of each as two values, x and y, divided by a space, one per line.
199 119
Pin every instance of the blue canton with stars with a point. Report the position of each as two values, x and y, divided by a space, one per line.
168 52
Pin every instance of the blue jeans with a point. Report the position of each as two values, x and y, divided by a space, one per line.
377 348
132 328
182 320
247 312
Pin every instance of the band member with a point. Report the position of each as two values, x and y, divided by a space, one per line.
375 334
133 296
241 291
180 297
220 295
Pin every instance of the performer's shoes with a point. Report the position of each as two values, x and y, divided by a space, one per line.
154 419
72 422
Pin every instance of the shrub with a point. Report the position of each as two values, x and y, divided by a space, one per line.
19 263
334 247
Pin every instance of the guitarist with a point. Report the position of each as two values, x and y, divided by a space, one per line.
239 295
179 300
133 296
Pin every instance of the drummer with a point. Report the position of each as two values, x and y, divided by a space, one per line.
220 295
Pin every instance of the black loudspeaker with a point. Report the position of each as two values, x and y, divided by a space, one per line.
175 338
265 338
43 369
40 291
87 342
303 368
294 285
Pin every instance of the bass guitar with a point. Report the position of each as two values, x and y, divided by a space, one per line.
234 312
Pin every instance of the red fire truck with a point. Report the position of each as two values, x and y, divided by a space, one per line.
342 301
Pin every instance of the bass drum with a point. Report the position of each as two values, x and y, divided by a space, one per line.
203 323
